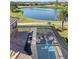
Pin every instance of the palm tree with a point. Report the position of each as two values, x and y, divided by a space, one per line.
56 3
62 16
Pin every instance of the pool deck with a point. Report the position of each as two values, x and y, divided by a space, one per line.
33 44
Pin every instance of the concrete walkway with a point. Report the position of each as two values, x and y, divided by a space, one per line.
41 23
33 44
33 23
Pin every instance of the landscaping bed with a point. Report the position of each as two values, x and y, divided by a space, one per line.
63 33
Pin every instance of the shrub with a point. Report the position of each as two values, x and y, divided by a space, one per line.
49 23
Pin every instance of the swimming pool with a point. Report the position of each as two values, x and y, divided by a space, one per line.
46 52
45 48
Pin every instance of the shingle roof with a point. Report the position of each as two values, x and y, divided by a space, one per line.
13 19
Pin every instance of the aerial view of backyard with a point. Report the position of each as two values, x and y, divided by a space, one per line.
39 29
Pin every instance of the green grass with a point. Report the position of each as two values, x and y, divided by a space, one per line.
64 33
52 7
24 29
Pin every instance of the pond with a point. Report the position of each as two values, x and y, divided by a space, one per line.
41 13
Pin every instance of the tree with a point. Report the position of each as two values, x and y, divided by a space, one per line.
13 6
36 4
56 3
62 16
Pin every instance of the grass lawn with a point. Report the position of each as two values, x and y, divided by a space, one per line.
64 33
24 29
52 7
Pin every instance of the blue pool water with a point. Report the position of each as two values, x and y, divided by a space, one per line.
46 50
40 13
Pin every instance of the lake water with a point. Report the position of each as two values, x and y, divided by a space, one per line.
40 13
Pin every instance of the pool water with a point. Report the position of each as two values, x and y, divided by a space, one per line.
45 49
46 52
41 13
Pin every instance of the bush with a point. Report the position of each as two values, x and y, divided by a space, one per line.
16 11
49 23
66 39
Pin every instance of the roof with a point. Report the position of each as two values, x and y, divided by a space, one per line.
13 19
